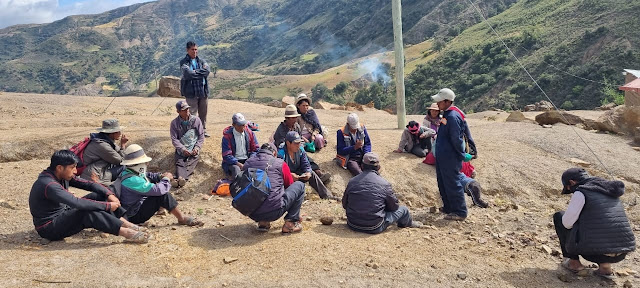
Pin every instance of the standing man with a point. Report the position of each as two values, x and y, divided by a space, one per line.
451 153
187 136
595 224
239 143
194 85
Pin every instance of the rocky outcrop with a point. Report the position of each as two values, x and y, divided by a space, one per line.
553 117
169 86
619 120
539 106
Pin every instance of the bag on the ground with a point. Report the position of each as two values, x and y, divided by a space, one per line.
310 147
78 149
250 189
222 188
430 159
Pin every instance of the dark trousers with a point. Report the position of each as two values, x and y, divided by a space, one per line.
315 183
199 108
185 165
291 204
151 205
400 216
72 221
450 184
233 171
563 235
354 165
419 151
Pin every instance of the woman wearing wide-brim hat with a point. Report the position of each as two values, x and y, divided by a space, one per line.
143 193
309 123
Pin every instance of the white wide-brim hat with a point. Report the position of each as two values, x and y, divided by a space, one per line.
133 155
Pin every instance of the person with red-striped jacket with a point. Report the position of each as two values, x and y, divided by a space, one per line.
58 213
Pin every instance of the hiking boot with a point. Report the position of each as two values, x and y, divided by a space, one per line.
206 135
474 190
263 226
325 177
454 217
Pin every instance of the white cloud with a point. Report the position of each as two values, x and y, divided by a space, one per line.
14 12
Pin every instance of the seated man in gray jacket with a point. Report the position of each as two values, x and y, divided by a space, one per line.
102 156
370 203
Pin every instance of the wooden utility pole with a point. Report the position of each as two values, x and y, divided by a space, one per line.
396 12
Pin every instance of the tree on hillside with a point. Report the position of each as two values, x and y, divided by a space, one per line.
376 94
341 88
252 94
320 92
294 91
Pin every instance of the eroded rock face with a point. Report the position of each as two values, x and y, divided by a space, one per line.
169 86
620 120
553 117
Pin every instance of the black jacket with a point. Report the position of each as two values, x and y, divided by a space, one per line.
366 200
194 83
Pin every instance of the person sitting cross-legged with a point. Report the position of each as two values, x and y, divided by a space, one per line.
370 203
142 193
239 143
58 214
296 158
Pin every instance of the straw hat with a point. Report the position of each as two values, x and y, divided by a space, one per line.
301 97
134 154
291 111
434 106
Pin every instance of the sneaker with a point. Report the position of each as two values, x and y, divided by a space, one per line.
174 183
474 190
181 181
416 224
454 217
325 178
206 135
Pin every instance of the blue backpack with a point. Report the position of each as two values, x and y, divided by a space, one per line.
250 189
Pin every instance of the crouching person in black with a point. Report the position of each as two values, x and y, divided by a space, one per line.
595 225
57 213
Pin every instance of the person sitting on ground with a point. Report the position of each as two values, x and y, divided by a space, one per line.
285 196
370 203
142 193
296 158
416 140
595 225
290 123
239 143
102 156
187 136
58 214
353 142
432 119
310 124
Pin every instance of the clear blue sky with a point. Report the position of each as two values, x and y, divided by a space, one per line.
14 12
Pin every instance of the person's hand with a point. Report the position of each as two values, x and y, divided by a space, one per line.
295 176
359 144
112 198
167 175
475 156
123 140
195 151
114 206
240 165
305 140
398 151
94 177
313 138
423 135
186 153
467 157
305 176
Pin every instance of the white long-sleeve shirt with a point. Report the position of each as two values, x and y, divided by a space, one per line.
573 211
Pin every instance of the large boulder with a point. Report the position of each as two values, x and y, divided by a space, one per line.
619 120
288 100
553 117
169 86
516 116
544 106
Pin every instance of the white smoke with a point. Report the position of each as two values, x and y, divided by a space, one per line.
374 67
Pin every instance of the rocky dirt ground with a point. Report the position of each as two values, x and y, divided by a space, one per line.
510 244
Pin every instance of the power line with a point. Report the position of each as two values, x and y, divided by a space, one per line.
537 85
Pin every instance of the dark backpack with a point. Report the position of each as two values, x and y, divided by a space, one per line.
250 189
78 149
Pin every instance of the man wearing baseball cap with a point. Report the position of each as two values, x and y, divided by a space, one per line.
239 143
102 156
370 203
595 225
187 136
353 143
451 153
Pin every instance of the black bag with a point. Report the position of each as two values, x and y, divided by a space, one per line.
250 189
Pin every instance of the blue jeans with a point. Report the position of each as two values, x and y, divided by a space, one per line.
291 202
400 216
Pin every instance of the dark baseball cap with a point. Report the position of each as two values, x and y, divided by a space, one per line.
293 136
182 105
575 174
371 159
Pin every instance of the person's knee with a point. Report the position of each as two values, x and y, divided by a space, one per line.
421 153
557 217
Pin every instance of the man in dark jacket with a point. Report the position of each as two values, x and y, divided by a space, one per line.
300 166
58 214
194 85
370 203
187 136
239 143
450 153
595 224
286 196
352 143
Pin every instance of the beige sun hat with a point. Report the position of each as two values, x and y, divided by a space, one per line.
133 155
301 97
291 111
434 106
110 126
